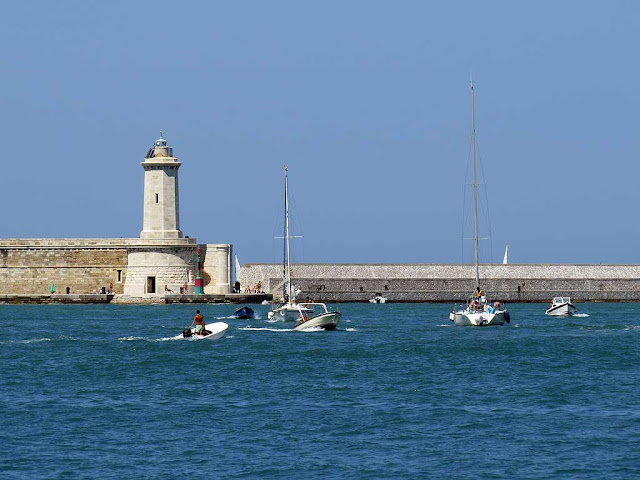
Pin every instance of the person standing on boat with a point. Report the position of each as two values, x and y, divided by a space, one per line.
198 320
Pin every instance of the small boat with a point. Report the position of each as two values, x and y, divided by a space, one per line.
378 299
243 313
561 307
213 331
326 320
478 312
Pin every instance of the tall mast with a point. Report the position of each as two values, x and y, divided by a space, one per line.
287 285
475 186
284 239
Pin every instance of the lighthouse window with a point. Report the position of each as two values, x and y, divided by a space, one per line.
157 198
119 276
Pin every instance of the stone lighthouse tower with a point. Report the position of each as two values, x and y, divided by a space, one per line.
161 204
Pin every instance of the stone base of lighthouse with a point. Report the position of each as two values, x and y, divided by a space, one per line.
123 265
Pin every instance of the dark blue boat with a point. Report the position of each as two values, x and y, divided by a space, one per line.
243 313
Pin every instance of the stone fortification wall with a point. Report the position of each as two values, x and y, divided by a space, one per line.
450 282
31 266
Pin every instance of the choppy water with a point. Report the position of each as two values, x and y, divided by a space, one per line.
398 392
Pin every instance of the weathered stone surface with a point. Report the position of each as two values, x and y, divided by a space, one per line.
30 266
216 268
451 282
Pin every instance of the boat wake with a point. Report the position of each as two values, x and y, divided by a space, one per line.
580 315
148 339
31 340
265 329
231 317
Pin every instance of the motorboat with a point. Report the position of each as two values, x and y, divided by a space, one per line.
289 310
243 313
378 299
325 319
212 331
479 311
561 307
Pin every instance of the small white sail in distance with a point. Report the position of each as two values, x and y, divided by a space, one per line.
237 266
505 260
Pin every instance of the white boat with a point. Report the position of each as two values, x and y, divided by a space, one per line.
561 307
378 299
480 315
217 330
289 311
478 312
325 319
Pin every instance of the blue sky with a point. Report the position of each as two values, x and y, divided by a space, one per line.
368 104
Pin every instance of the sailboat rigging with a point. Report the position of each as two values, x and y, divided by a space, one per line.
478 311
288 311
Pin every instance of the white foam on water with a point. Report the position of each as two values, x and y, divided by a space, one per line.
350 330
147 339
264 329
32 340
312 329
580 315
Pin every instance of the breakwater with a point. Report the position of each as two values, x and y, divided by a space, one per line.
450 282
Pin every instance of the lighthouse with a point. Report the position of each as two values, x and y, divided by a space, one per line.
161 204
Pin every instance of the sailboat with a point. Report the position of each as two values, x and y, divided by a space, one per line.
289 310
479 311
505 260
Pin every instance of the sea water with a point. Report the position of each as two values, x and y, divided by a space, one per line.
397 392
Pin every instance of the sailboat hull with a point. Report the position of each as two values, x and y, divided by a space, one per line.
288 313
478 319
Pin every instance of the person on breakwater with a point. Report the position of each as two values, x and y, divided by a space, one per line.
198 319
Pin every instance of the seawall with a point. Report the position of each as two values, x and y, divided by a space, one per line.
123 265
450 282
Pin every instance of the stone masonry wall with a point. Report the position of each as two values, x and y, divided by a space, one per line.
30 266
171 267
84 270
441 282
